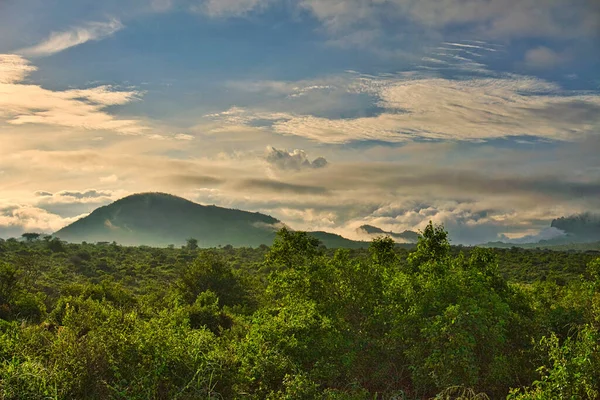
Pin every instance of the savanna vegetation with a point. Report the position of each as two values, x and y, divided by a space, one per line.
297 321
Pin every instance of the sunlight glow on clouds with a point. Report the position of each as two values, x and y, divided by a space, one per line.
15 219
327 114
82 108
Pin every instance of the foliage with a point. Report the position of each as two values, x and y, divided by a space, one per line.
297 321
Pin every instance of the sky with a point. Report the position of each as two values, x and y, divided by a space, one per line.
483 115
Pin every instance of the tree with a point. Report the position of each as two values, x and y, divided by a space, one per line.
191 244
382 251
31 236
292 249
433 247
9 280
209 272
56 245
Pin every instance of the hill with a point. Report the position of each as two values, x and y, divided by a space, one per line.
159 219
403 237
576 232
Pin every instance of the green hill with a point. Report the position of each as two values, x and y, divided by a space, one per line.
159 219
403 237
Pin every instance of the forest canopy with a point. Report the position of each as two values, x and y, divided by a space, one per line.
297 321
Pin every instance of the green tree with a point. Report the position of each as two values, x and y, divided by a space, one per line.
433 246
191 244
31 236
292 249
210 271
9 282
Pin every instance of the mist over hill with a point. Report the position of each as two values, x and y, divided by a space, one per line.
159 219
580 231
403 237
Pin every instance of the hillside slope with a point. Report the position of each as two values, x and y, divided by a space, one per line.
159 219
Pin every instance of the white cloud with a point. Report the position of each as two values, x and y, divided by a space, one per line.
82 108
420 107
544 234
59 41
14 68
109 179
183 136
17 219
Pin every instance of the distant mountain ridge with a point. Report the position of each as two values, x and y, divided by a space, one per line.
160 219
403 237
575 230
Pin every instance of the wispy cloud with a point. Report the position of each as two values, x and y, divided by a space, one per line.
424 107
486 18
59 41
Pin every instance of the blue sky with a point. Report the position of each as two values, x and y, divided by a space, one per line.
483 115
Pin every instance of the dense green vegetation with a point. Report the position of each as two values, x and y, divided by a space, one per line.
297 321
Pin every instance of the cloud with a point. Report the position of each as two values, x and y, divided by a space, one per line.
543 57
294 160
71 203
193 179
88 194
109 178
484 18
17 219
183 136
59 41
161 5
280 187
417 106
545 234
228 8
77 108
14 68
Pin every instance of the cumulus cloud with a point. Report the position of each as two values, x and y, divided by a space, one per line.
294 160
59 41
22 103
